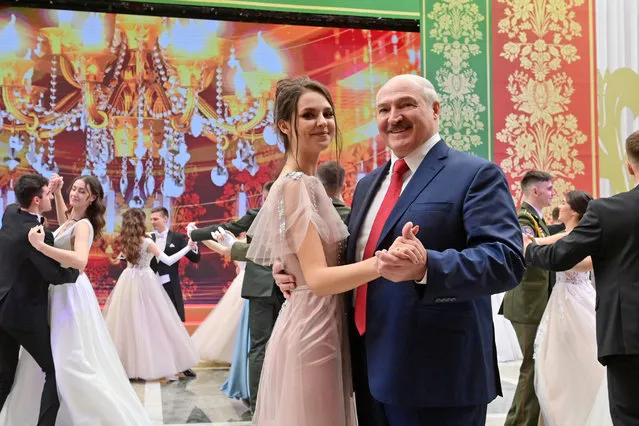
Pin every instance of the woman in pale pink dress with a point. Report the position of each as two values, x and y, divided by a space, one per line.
306 378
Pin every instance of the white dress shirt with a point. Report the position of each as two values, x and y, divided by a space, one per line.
36 215
160 239
413 160
539 213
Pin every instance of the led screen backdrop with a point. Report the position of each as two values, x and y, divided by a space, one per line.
175 113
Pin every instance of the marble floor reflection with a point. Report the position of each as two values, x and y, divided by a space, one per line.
199 401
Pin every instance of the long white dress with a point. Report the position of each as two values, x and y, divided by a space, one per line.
215 337
92 384
505 338
569 381
144 325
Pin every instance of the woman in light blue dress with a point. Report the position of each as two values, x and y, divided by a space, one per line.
237 384
212 335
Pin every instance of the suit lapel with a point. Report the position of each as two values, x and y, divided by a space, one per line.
427 170
28 217
169 238
357 217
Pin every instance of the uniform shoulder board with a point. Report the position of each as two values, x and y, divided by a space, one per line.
523 214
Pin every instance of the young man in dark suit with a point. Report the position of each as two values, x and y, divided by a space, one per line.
608 234
24 292
171 242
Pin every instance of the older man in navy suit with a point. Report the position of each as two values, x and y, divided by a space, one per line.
422 336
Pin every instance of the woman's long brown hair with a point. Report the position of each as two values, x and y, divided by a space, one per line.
96 210
131 233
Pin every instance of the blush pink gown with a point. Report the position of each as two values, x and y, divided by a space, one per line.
306 377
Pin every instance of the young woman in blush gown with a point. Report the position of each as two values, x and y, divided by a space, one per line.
145 327
92 384
306 377
570 383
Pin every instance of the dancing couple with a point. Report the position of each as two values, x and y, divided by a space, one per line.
61 327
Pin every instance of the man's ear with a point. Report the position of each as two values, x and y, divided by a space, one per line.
630 167
436 109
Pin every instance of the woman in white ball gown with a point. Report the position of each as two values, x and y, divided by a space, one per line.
505 338
93 387
144 325
570 383
216 336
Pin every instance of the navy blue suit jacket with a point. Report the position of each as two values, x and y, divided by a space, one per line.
433 345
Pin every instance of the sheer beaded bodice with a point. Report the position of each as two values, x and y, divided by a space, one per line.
574 277
145 257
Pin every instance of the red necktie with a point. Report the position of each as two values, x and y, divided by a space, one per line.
390 199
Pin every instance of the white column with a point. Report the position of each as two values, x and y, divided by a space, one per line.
109 198
242 202
617 39
166 203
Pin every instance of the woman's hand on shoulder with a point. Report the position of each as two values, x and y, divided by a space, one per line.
36 237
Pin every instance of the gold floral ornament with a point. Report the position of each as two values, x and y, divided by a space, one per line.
540 133
455 32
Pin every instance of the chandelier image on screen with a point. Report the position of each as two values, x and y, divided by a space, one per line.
176 112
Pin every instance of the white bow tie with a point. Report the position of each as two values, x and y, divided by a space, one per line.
162 234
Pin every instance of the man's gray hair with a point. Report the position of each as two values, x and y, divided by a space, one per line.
430 94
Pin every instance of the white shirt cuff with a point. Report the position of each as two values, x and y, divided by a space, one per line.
423 280
195 250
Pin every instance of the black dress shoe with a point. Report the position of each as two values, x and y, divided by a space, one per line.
189 373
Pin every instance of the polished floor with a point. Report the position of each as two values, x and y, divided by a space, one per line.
199 401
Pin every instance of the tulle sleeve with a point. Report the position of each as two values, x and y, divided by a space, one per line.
294 202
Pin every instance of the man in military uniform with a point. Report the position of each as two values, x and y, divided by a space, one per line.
525 304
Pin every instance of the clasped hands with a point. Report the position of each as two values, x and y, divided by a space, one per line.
405 260
36 236
223 237
189 228
55 183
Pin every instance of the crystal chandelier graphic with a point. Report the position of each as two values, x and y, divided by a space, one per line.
134 89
